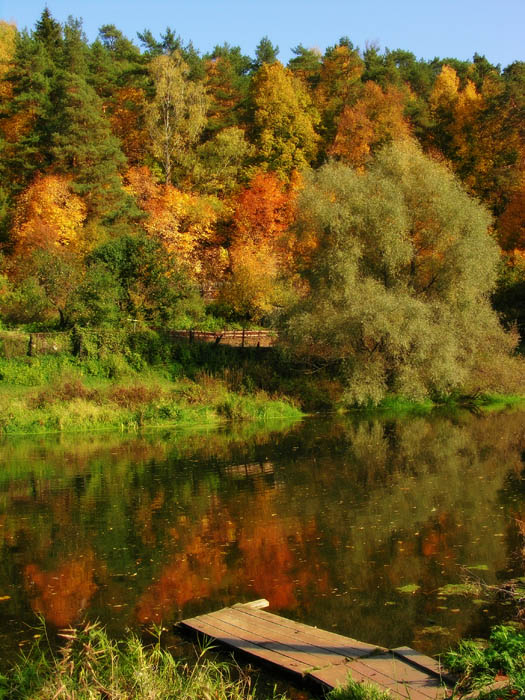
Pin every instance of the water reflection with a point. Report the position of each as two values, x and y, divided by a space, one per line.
328 519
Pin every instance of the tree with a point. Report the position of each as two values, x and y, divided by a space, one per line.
265 52
227 84
221 166
374 120
183 223
85 147
260 256
284 120
177 114
48 215
306 65
263 211
339 84
154 288
399 281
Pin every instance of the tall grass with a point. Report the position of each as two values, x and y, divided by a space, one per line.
61 395
479 664
90 666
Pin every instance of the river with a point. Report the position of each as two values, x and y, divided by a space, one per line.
366 525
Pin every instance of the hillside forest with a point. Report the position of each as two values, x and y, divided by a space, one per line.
369 204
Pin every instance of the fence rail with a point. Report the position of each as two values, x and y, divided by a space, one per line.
238 338
16 344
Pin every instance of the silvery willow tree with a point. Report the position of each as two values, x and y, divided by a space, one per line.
399 279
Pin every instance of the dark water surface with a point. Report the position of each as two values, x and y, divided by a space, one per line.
328 519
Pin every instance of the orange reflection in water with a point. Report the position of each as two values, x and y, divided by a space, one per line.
61 595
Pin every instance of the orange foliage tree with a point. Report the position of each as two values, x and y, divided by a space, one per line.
375 119
260 252
127 122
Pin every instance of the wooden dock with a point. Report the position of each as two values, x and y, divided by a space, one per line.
324 658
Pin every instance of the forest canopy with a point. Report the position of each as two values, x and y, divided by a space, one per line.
371 201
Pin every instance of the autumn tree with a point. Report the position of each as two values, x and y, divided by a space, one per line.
182 222
263 210
259 253
339 85
284 120
48 215
374 120
176 115
399 281
227 83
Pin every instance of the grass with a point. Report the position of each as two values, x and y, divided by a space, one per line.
481 663
65 394
90 666
358 691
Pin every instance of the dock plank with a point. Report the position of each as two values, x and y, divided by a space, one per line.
236 641
401 679
286 645
427 663
352 648
324 653
279 636
326 658
400 672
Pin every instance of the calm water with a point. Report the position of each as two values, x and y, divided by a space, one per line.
327 519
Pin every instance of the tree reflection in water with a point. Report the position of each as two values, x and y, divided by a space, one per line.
327 519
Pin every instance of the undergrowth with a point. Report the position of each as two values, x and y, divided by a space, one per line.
481 663
91 666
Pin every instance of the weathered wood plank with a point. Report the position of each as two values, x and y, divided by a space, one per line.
346 646
324 657
400 672
254 604
395 676
427 663
334 676
234 640
272 637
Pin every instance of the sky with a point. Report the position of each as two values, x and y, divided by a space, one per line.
443 28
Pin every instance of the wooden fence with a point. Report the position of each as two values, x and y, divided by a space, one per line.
15 344
238 338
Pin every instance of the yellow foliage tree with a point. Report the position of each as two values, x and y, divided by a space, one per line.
183 222
445 91
284 120
48 215
177 114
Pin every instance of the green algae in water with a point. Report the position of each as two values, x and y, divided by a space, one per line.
459 589
409 588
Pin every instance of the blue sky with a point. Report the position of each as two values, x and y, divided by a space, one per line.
444 28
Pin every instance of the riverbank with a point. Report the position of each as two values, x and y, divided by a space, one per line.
61 394
191 386
91 665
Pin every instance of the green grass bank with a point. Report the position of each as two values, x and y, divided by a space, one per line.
130 379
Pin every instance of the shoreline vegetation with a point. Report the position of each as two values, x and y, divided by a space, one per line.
90 665
119 390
